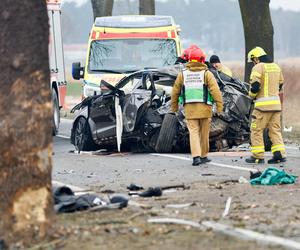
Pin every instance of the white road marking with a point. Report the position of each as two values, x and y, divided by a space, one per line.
64 120
210 163
63 136
234 167
251 235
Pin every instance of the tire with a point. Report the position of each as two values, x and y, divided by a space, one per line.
56 113
267 140
167 134
83 140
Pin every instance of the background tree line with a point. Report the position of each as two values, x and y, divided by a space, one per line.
215 25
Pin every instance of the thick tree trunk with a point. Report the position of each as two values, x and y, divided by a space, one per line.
258 28
147 7
26 122
102 7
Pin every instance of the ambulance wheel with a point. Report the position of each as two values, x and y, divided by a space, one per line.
56 114
166 138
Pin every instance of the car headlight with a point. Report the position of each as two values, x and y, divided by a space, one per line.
90 90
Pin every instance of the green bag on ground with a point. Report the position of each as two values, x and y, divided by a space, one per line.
273 176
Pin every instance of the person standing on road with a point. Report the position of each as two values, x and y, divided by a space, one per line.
200 89
266 81
216 63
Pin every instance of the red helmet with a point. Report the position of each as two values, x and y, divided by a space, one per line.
186 52
197 54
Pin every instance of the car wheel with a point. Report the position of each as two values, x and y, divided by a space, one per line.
167 134
56 114
82 136
267 140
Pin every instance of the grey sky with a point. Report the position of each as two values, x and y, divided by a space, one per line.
284 4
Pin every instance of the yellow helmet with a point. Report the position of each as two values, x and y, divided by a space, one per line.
256 52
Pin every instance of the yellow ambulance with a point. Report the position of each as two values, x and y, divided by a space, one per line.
119 45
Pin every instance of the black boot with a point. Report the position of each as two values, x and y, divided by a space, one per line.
277 158
254 160
196 161
205 160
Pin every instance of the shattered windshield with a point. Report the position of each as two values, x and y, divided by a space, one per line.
124 56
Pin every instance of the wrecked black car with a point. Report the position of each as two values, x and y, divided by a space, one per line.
135 115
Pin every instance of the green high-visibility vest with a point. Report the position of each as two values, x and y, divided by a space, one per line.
195 89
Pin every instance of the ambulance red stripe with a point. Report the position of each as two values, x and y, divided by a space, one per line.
106 35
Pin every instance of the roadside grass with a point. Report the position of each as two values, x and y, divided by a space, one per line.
291 102
74 87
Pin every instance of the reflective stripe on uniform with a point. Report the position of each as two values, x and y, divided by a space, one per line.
265 101
277 147
266 85
269 68
193 86
251 94
256 74
272 68
257 149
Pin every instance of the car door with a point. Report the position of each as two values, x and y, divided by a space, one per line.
103 117
136 102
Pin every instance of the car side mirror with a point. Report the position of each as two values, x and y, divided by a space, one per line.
77 71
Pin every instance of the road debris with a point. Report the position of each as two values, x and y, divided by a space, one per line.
175 221
122 200
175 186
254 175
245 234
65 201
227 207
105 207
243 180
71 171
153 191
208 175
273 176
134 187
289 129
185 205
156 191
239 233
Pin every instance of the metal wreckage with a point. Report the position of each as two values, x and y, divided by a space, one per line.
135 115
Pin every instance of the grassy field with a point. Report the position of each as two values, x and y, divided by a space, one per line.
74 87
291 103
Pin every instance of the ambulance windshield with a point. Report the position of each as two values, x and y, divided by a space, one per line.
128 55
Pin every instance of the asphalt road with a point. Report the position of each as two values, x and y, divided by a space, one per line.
116 171
268 213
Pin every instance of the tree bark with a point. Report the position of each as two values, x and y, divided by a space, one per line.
26 205
258 28
147 7
102 7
